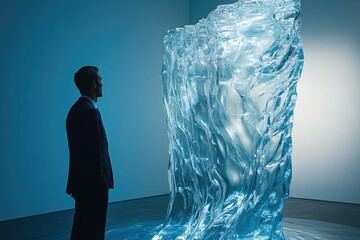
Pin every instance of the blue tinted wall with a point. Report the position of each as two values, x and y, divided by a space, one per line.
42 44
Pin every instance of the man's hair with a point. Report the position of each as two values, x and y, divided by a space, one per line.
84 77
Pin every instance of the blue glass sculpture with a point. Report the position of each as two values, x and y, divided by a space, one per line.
229 85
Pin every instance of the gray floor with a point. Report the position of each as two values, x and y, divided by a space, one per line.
57 225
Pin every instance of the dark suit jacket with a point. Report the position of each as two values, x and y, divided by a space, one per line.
89 157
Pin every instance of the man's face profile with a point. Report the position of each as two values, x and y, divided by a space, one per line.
98 86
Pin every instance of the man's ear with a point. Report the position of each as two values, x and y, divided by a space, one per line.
94 84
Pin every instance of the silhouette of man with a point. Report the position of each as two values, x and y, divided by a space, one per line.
90 173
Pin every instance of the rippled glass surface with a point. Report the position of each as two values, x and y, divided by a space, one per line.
229 85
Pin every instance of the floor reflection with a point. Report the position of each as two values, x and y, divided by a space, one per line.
294 229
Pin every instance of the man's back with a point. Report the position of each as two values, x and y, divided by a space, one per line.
88 147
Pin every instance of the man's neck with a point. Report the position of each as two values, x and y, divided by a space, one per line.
92 96
90 99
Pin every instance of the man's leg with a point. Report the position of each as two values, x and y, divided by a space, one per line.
102 210
75 231
90 214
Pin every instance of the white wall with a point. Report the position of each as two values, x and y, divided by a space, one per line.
326 157
42 44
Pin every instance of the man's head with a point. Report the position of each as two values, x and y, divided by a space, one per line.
88 81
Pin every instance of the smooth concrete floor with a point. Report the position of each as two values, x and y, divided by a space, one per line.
57 226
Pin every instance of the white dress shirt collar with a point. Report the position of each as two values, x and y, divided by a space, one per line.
91 100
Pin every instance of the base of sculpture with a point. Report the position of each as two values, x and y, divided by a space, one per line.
294 229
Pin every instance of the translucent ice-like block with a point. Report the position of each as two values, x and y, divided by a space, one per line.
229 85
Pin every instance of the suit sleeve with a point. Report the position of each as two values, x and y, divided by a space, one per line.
90 135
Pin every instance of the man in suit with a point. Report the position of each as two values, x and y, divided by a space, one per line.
90 173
